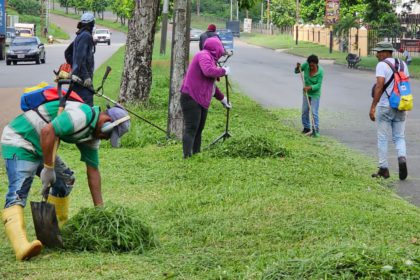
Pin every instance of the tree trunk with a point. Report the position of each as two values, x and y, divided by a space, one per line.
179 63
136 79
198 7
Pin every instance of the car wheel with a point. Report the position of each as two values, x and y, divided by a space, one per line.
37 60
14 62
8 62
43 60
109 43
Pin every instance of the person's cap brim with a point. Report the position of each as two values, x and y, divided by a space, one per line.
383 49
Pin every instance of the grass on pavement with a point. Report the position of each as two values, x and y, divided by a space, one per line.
310 212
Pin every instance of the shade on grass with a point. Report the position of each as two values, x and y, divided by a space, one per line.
107 229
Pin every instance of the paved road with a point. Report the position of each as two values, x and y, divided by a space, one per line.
16 77
267 76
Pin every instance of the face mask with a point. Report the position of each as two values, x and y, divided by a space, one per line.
109 126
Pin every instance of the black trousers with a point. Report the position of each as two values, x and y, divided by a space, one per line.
194 121
84 93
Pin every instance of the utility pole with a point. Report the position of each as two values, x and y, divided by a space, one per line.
231 15
42 18
297 22
268 14
164 27
237 10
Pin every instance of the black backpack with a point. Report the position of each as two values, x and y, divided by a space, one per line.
68 54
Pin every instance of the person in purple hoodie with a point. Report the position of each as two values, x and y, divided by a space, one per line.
197 90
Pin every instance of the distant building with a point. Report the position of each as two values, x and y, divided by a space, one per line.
406 7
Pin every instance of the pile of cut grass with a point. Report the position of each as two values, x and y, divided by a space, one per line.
110 228
249 146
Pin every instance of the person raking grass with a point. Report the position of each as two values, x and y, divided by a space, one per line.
313 75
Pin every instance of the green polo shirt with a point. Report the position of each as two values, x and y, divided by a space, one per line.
76 124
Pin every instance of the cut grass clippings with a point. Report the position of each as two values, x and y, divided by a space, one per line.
249 146
110 228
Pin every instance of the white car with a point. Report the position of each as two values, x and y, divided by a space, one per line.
102 36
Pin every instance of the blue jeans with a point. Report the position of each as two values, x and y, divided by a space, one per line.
306 121
21 174
389 119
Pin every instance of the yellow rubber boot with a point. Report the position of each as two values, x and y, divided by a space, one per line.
61 208
16 232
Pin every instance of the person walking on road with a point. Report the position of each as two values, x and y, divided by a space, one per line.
313 75
407 56
80 55
197 90
28 141
211 32
388 119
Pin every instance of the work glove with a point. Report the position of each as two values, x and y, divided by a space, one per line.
225 103
227 70
76 79
87 83
47 179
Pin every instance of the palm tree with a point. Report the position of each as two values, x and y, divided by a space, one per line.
342 29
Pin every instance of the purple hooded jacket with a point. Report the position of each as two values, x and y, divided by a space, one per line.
199 82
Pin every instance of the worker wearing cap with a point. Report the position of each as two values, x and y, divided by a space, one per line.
211 32
83 63
388 119
28 141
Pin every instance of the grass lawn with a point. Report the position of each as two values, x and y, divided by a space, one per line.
268 203
106 23
284 41
54 30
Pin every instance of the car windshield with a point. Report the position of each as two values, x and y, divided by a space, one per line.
24 42
101 31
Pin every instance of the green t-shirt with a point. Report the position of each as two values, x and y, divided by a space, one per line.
21 137
315 81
